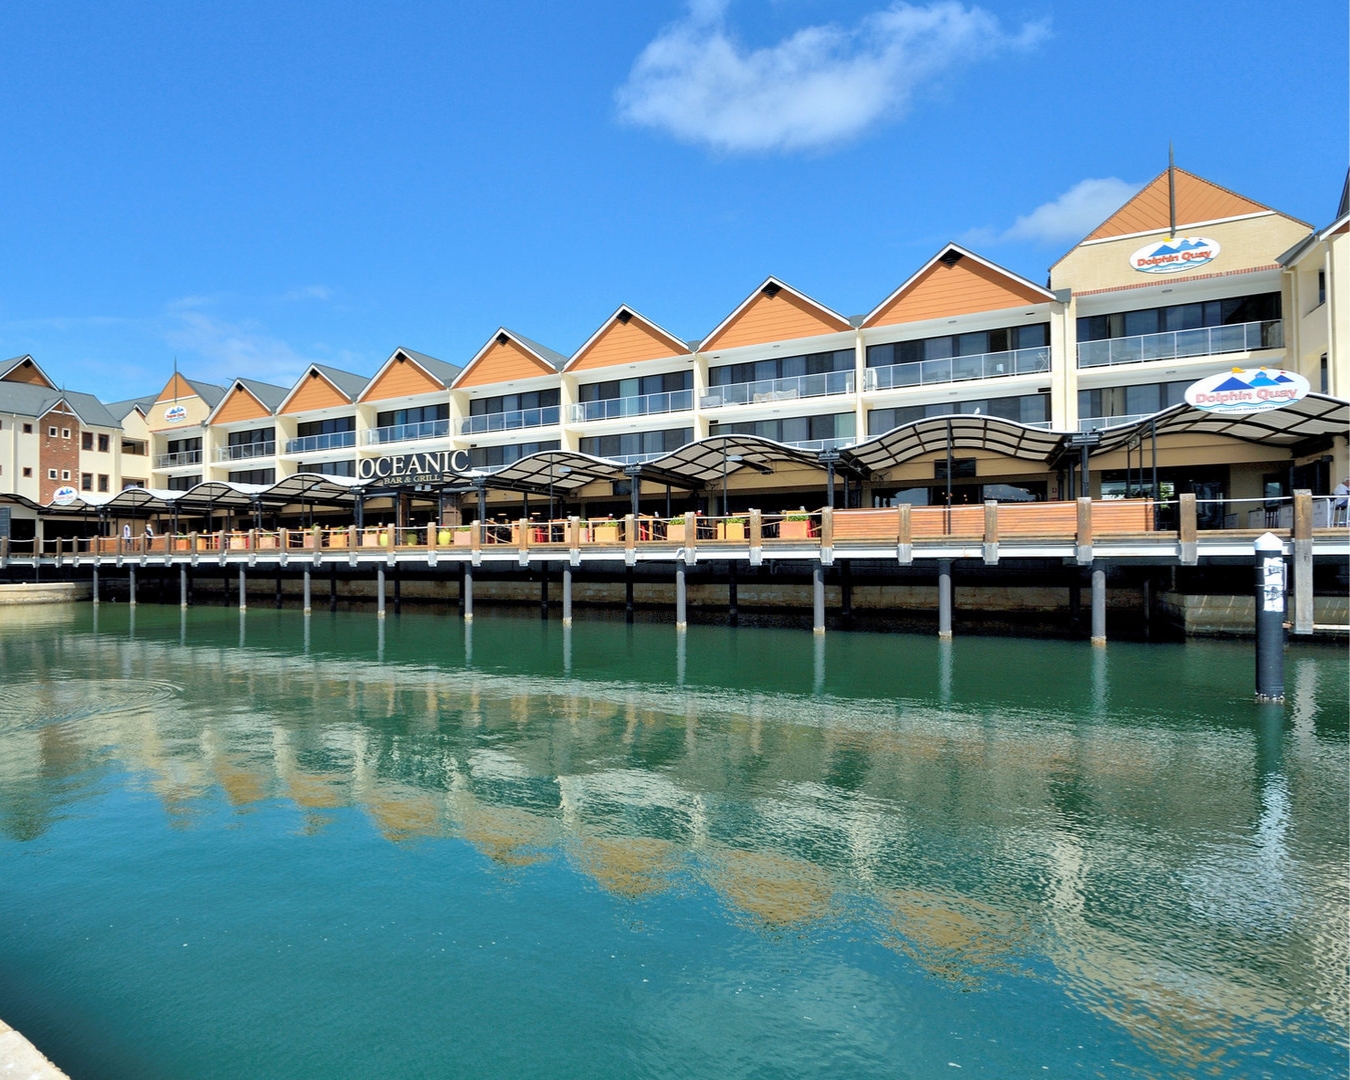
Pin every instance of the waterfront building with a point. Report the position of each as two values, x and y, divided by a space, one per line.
967 383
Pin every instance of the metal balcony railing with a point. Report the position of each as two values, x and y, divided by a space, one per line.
959 368
1180 344
643 405
509 421
308 444
177 459
242 451
1095 423
765 390
427 429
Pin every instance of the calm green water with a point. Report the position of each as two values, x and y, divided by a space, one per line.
276 847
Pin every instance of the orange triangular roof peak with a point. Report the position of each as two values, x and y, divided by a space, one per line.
528 359
25 369
955 281
593 354
774 312
431 375
1198 202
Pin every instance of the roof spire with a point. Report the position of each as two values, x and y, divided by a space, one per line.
1172 188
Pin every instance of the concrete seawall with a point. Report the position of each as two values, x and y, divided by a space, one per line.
43 592
21 1060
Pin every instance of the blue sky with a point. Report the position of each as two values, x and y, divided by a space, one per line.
251 186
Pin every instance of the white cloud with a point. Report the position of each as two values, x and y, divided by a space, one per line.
230 349
1074 214
819 87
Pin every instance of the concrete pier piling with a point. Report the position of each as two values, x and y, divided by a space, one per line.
566 595
466 593
1098 603
243 589
818 597
307 607
379 592
681 598
944 598
131 586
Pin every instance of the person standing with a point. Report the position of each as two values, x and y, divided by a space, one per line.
1341 505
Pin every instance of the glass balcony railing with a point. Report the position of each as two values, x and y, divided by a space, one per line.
309 444
1094 423
959 368
822 444
643 405
246 450
427 429
509 421
1179 344
177 459
790 389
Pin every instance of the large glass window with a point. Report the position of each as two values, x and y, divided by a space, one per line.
976 343
183 483
419 414
783 367
669 383
838 427
1023 408
254 476
1263 307
486 457
534 399
329 468
184 446
635 443
332 425
1122 401
256 437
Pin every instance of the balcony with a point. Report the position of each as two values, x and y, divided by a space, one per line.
790 389
244 451
178 459
823 444
509 421
1180 344
1096 423
643 405
397 433
309 444
959 369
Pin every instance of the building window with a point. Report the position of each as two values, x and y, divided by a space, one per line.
103 444
637 443
1321 287
86 481
182 483
1119 402
65 474
1024 408
86 440
254 476
840 428
783 367
51 474
102 482
134 446
28 429
670 383
131 483
65 433
486 457
1326 380
1005 339
256 437
27 471
535 399
1264 307
51 432
332 426
329 468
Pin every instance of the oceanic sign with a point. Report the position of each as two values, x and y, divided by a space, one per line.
430 468
64 496
1175 254
175 414
1238 392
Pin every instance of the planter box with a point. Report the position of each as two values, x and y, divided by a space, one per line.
182 543
794 530
159 543
238 541
731 530
267 543
337 539
605 534
463 538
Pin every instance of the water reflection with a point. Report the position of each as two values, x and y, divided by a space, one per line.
1167 877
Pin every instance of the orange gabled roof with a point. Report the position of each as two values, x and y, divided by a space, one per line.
955 282
505 358
239 404
314 390
774 312
402 375
177 387
1198 200
626 338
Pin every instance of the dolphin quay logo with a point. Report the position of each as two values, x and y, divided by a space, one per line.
428 468
1240 393
1175 254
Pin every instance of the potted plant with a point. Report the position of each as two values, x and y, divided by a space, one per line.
605 532
795 526
732 528
463 535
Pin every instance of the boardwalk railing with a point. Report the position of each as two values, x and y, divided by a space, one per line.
789 532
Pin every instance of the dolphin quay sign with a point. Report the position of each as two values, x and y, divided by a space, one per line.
429 468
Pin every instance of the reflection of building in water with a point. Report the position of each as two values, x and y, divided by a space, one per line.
792 810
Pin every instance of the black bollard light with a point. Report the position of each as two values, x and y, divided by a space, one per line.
1269 618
